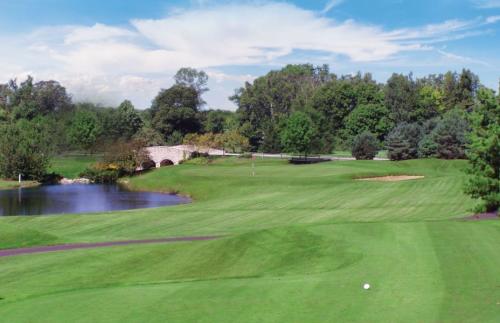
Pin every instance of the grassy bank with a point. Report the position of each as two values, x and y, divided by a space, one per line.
7 184
70 166
299 242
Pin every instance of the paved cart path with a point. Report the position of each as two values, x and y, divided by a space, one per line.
64 247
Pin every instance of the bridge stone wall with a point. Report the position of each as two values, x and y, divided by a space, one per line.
162 153
176 154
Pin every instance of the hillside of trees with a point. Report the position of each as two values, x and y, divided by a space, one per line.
410 117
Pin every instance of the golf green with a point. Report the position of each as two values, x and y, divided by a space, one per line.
297 245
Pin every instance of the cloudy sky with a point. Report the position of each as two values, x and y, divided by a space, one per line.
109 50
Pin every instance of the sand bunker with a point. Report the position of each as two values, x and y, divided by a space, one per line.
398 178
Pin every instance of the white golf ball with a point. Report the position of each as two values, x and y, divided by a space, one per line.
366 286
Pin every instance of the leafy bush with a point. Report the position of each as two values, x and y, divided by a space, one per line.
198 161
231 141
126 156
402 141
149 137
100 175
365 146
122 159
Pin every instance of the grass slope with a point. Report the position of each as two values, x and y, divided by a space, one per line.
300 242
70 166
8 184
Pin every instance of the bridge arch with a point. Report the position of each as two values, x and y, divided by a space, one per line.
166 162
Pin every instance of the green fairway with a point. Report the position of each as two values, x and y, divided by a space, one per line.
298 243
70 166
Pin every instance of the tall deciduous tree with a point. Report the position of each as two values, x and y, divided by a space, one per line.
298 134
84 130
174 112
191 77
273 97
334 101
128 120
401 95
373 118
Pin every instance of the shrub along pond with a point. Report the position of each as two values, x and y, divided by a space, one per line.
80 198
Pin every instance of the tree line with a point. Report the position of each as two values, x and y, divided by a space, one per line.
301 109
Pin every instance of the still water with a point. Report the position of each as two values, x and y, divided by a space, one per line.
65 199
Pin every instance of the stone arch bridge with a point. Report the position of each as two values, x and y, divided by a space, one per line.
173 155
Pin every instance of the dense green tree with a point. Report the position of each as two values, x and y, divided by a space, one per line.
427 147
232 141
402 142
484 152
373 118
335 101
50 96
298 134
85 129
365 146
401 96
177 96
459 90
445 137
149 137
174 139
218 121
25 148
181 120
271 141
127 121
429 102
175 110
273 97
468 86
3 115
29 100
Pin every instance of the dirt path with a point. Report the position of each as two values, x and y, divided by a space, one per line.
44 249
483 216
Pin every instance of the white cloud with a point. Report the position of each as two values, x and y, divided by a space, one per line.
486 4
461 58
249 34
98 32
109 63
492 19
330 5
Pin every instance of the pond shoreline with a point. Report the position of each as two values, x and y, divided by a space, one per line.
57 199
12 185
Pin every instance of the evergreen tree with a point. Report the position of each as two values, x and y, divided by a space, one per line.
484 152
402 142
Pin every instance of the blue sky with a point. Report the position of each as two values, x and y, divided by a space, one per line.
110 50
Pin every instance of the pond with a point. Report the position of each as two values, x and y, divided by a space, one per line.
80 198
